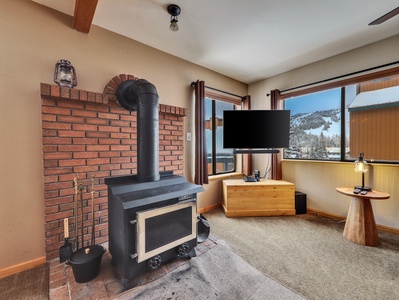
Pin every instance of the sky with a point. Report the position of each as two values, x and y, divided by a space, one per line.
313 102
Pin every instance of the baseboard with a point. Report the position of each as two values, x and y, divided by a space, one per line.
209 208
381 228
22 267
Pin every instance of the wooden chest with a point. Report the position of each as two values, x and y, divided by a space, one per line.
263 198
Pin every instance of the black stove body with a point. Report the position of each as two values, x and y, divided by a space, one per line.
152 216
150 222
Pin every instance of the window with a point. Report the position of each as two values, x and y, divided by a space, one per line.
219 160
341 122
315 125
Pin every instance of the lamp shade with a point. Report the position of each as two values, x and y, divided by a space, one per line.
65 74
361 165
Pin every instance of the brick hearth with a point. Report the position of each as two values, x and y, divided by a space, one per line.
90 134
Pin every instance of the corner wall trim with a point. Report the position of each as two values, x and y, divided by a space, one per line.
22 266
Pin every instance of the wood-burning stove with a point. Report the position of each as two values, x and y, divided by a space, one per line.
151 222
152 216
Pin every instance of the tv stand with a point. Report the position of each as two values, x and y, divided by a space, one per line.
255 151
254 199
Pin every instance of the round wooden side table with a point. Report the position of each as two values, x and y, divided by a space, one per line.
360 225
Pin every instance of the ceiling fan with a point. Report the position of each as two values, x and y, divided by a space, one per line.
385 17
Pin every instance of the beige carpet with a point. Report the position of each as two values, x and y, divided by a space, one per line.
309 255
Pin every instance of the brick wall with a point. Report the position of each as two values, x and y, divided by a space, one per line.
90 134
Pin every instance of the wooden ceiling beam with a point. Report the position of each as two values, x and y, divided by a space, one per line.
84 13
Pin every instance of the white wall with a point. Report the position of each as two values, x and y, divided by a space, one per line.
319 179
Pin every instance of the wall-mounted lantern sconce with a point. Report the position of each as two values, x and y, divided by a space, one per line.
65 74
174 10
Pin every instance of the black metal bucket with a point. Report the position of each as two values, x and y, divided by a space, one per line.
203 229
86 263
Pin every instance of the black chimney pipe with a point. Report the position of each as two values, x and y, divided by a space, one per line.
142 96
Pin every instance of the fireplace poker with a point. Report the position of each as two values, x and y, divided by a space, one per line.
93 239
81 212
75 213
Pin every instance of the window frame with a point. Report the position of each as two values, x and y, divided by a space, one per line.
341 83
237 104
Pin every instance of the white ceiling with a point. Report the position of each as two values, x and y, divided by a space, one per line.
246 40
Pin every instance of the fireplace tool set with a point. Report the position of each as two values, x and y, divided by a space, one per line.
86 260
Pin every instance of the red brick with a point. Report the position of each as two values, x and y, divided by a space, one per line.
98 161
55 91
96 107
108 128
85 155
45 89
108 141
70 119
97 121
96 134
84 127
74 94
49 132
71 148
54 125
120 172
72 162
57 171
55 110
85 169
119 160
58 216
48 102
69 133
97 148
65 92
109 154
108 116
56 141
120 148
85 141
83 95
120 135
58 185
84 113
49 118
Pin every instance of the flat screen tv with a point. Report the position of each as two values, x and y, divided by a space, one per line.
256 129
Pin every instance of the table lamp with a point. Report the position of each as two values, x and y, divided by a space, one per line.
361 166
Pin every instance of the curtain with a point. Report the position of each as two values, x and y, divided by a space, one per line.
276 172
247 158
201 160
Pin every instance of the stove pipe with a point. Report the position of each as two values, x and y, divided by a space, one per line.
141 96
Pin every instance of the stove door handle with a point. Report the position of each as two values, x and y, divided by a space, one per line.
133 256
133 222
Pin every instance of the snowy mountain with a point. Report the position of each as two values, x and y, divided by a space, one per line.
315 135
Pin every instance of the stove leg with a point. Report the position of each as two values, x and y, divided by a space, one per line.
192 253
124 284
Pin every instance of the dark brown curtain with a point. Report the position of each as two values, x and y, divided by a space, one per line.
201 161
247 158
276 172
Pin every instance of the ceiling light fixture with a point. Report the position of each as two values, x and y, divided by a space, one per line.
174 10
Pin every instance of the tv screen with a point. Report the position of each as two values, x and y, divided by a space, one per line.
256 129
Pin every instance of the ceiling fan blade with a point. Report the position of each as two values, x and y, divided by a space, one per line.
386 17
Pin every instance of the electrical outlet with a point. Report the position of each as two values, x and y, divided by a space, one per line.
188 136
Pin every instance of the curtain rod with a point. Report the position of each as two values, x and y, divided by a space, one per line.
338 77
211 88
